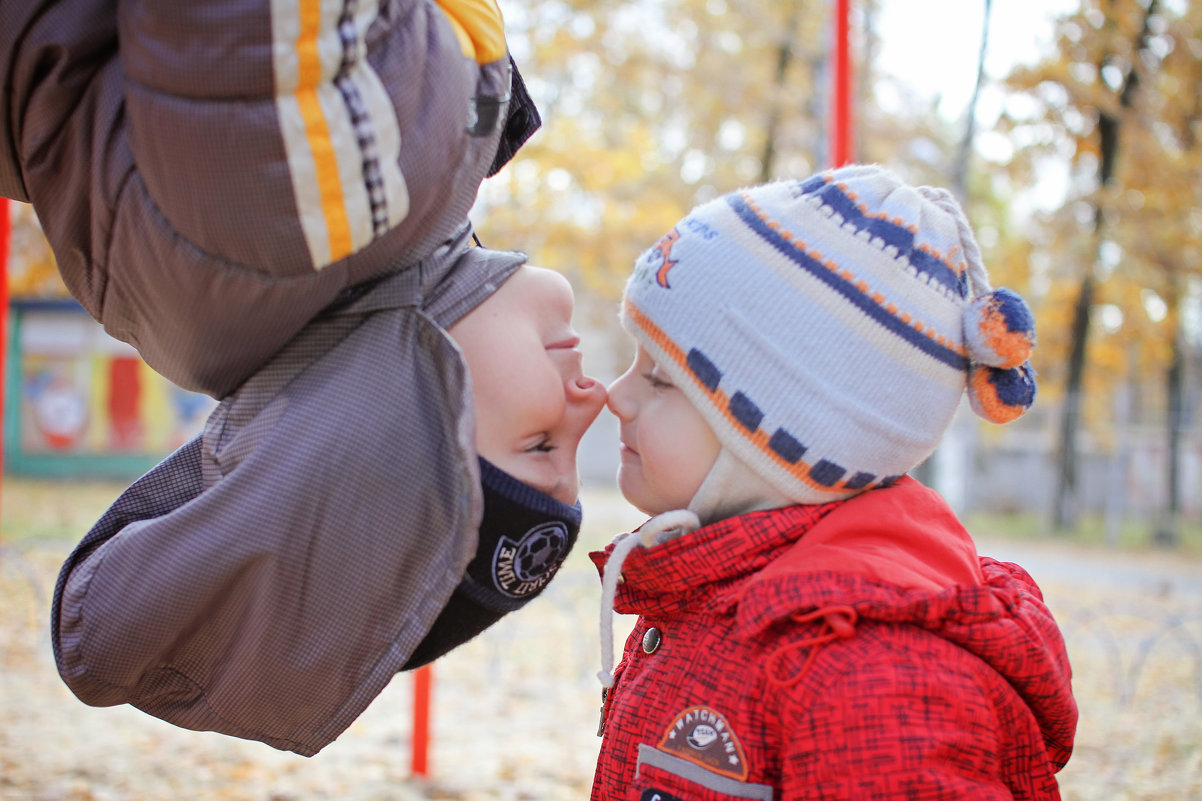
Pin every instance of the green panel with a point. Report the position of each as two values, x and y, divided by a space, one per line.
69 467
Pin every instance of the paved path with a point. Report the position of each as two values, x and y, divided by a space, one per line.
1157 574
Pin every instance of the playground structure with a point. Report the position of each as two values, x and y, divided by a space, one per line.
82 404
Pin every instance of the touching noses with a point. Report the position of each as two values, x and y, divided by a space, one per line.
619 399
585 398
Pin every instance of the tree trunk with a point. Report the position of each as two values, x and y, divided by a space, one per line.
783 56
949 468
960 169
1066 501
1065 508
1168 533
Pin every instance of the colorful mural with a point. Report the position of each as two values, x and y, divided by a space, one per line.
83 403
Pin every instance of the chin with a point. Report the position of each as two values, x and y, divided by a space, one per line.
636 495
629 489
565 490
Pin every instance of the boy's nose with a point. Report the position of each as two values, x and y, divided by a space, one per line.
618 400
588 392
585 396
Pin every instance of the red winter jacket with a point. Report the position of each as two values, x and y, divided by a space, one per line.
856 650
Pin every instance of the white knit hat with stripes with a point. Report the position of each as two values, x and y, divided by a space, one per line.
827 328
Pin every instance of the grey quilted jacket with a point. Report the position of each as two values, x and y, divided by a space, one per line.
269 199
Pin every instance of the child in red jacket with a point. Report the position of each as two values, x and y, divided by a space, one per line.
814 623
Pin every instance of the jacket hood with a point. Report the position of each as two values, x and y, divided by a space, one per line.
899 555
905 535
270 577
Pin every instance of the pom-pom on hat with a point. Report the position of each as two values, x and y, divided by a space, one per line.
827 328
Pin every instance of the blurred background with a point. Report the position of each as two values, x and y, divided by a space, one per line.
1071 130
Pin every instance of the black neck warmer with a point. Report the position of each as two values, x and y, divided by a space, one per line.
525 535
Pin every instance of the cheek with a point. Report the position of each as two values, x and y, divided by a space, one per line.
534 395
677 452
517 394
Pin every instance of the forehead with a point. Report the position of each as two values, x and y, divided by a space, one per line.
644 356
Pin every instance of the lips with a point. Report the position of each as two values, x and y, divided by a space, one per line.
567 343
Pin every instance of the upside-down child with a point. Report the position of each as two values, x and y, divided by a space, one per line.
814 623
269 199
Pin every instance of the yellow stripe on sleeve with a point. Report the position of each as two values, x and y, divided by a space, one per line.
317 131
479 28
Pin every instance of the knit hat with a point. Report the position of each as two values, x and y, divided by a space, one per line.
827 328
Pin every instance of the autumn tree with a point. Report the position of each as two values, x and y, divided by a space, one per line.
1110 103
650 108
1071 96
1159 198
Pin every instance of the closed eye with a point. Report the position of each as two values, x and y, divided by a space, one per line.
542 446
657 382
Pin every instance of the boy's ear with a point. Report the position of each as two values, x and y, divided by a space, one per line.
523 120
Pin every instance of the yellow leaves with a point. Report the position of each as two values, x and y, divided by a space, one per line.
32 270
1149 215
648 109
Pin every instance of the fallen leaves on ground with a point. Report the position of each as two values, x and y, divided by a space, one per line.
514 712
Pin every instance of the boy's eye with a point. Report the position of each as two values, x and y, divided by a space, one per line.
657 382
542 446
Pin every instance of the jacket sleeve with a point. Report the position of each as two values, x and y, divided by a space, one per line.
62 144
895 728
212 174
269 578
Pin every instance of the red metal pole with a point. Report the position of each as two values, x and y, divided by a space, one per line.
5 228
841 116
421 721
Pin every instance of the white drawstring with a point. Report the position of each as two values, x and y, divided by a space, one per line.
658 529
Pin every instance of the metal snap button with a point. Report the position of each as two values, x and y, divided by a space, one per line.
651 640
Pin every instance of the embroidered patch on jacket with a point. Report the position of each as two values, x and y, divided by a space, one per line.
523 567
703 736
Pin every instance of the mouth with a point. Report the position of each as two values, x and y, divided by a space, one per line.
567 343
626 451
